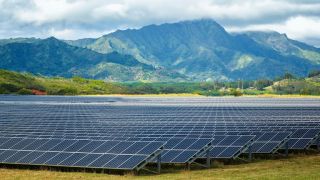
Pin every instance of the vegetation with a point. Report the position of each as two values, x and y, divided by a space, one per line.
301 167
24 83
173 52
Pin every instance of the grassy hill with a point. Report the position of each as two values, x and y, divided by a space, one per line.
25 83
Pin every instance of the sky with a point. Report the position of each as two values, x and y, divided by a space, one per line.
74 19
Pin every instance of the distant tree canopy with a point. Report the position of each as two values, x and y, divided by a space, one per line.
288 75
262 83
314 73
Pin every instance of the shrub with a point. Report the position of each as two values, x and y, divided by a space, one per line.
9 87
235 92
24 91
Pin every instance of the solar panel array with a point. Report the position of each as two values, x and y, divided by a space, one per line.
128 133
78 153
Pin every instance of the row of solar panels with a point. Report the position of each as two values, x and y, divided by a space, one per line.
126 154
299 139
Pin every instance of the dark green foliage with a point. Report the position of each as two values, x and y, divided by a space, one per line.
203 50
25 91
52 57
17 83
194 51
6 88
236 92
314 73
262 83
288 76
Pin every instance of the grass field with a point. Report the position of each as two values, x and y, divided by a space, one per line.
304 167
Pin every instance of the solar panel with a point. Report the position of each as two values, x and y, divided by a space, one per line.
84 131
111 154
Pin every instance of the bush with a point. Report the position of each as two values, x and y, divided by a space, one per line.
24 91
67 91
235 92
4 87
314 73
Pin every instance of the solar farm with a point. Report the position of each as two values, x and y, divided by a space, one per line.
146 133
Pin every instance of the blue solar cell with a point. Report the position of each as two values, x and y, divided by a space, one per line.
63 145
184 144
215 151
229 152
30 157
72 159
58 158
18 155
20 145
256 146
3 140
105 147
172 143
132 162
200 143
117 161
120 147
267 147
311 133
300 144
11 142
299 133
242 141
77 145
135 148
228 140
184 156
44 157
91 146
280 137
49 144
35 144
169 155
150 148
266 137
6 154
88 159
102 160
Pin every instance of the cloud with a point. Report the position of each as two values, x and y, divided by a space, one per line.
298 27
71 19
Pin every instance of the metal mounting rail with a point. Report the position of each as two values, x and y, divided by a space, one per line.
157 156
202 153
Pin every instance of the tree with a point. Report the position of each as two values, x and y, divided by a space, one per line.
262 83
314 73
288 75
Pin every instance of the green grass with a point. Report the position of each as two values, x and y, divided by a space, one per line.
24 83
304 167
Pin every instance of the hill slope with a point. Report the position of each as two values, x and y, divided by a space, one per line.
203 50
198 50
53 57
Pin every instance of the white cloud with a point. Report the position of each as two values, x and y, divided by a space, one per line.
39 17
74 33
299 27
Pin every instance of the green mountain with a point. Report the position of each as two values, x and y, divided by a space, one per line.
287 47
198 50
53 57
203 50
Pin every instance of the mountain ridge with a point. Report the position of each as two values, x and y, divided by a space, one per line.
194 50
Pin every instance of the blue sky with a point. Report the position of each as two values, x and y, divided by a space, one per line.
73 19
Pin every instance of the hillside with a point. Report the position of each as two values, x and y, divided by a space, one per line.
203 50
25 83
52 57
198 50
